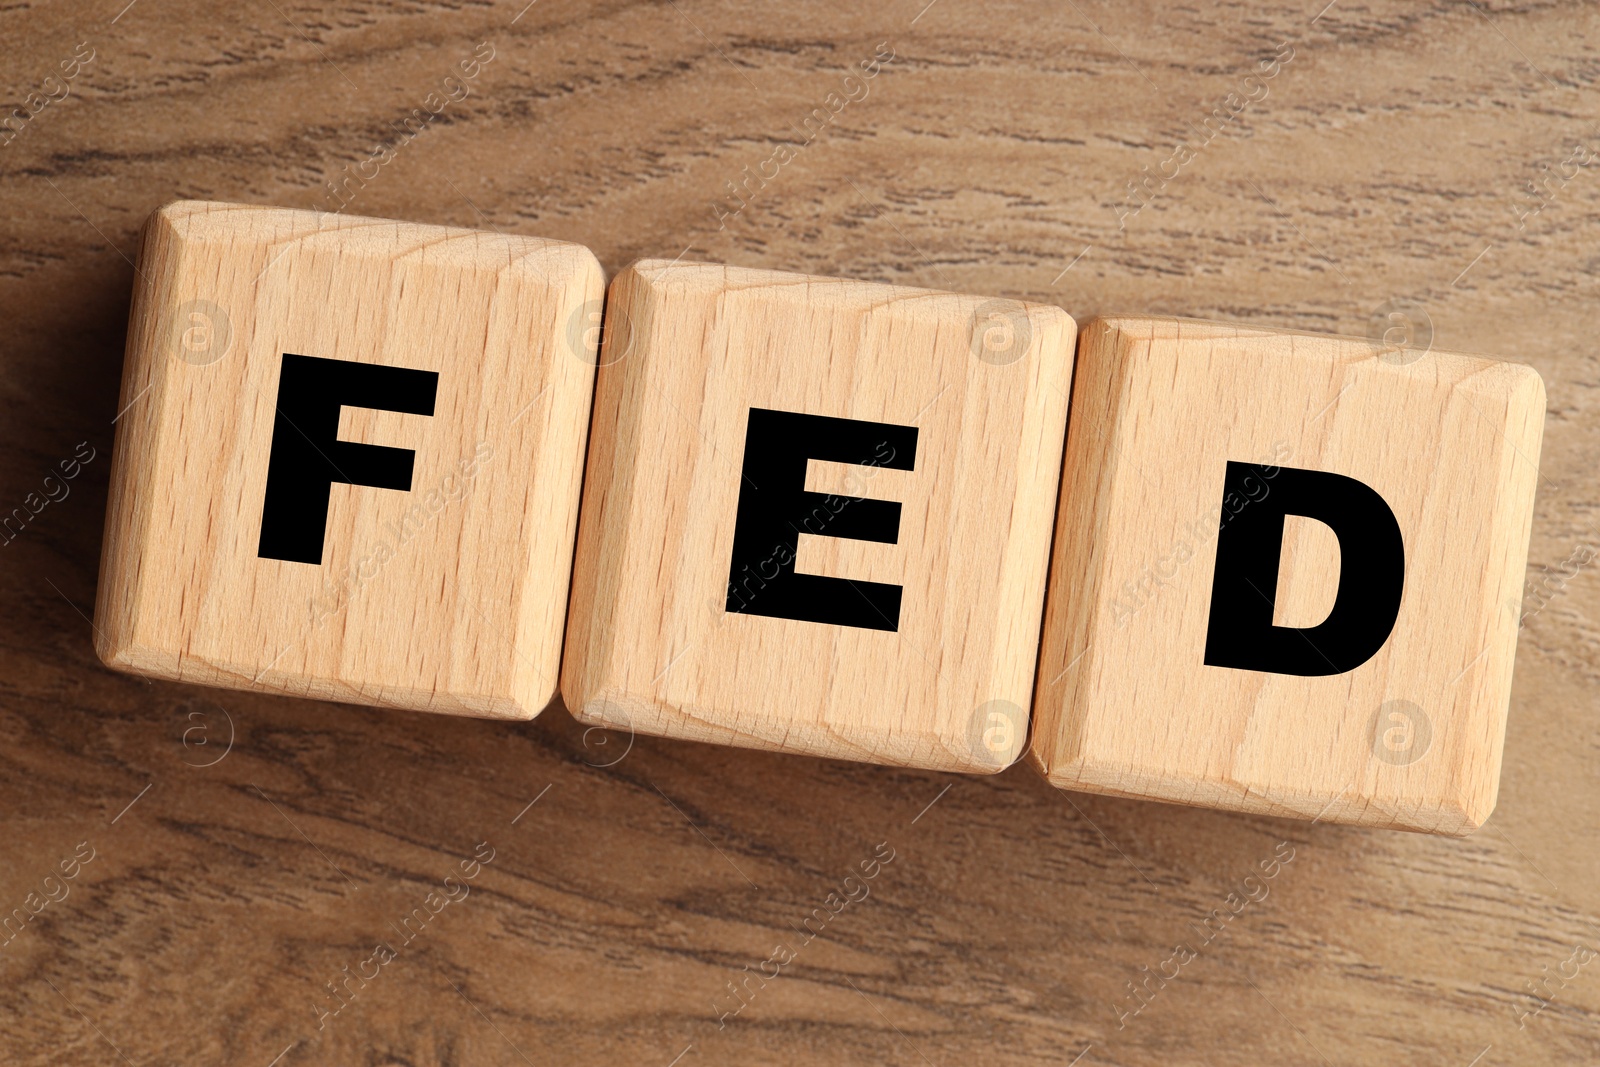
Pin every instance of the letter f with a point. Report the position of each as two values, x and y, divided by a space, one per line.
308 457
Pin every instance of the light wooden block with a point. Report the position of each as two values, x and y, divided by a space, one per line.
921 646
1409 736
446 596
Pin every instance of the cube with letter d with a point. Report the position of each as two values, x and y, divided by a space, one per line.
1282 573
347 460
817 515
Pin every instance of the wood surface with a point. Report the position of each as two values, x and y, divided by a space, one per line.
1129 700
945 682
447 596
1389 160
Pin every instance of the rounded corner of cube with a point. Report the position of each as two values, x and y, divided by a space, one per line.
525 706
113 652
981 759
1057 316
586 272
576 697
1527 387
177 218
178 209
599 706
1112 342
121 653
654 278
1043 753
638 272
1464 813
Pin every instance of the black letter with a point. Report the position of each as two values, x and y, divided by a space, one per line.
1244 587
773 502
308 457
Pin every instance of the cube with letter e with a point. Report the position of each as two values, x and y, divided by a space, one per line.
817 515
1281 573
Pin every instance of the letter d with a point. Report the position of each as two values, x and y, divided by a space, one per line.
1240 633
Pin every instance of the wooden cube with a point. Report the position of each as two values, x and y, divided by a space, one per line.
347 463
817 515
1281 573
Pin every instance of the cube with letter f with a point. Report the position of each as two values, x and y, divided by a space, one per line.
347 463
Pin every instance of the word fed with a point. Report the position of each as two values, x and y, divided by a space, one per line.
1255 570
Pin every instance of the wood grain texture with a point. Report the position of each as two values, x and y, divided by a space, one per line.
445 592
1130 700
963 404
1389 160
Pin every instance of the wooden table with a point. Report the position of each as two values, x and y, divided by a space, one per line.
1387 159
